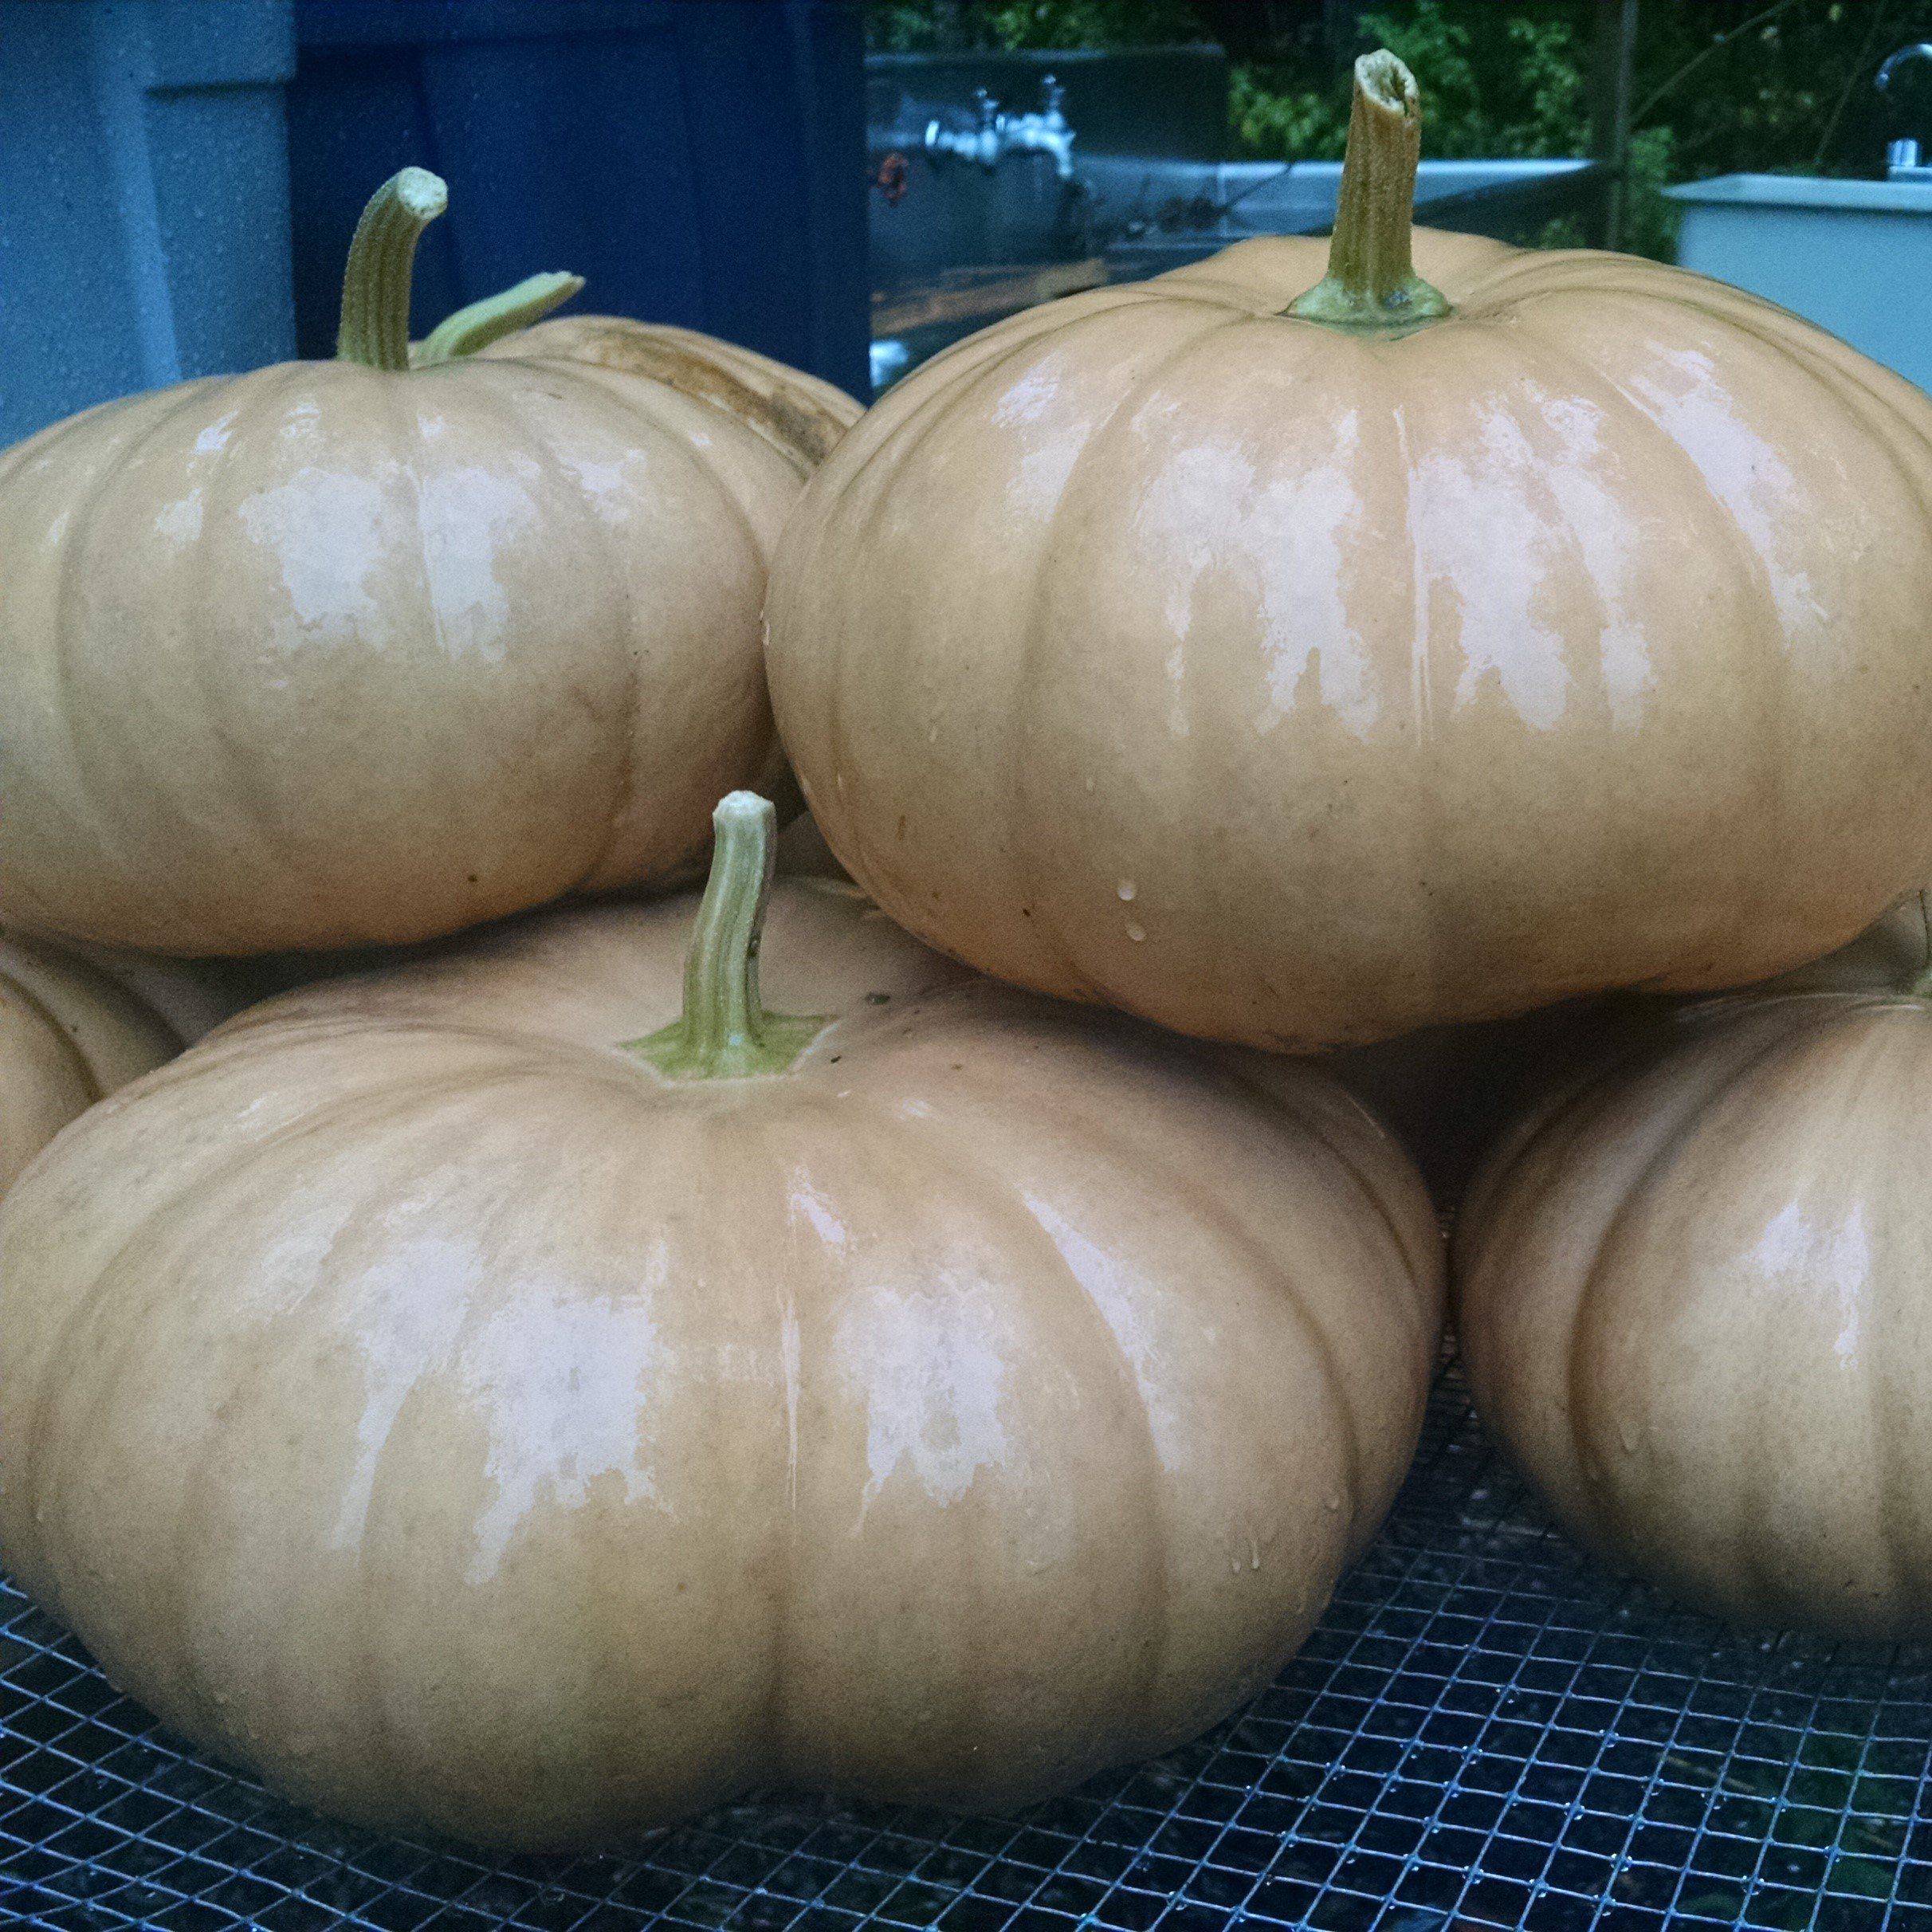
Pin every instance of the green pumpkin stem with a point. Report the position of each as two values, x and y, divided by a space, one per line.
724 1032
376 285
495 316
1372 287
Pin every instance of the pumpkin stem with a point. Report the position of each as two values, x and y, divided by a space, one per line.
724 1032
376 285
1372 287
495 316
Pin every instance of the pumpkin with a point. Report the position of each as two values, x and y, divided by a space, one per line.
73 1028
1691 1300
1892 951
485 1399
1300 665
799 415
344 653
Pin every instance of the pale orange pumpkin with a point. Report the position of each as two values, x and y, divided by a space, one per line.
73 1028
481 1400
800 415
1300 661
1690 1297
344 653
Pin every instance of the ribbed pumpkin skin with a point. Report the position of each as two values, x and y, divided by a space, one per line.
1691 1300
413 1396
1290 687
326 655
69 1032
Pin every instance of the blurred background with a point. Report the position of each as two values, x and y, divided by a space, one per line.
850 186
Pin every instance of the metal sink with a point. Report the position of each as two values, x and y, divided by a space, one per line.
1848 255
1153 215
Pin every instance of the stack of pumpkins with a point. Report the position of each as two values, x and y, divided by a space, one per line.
532 1388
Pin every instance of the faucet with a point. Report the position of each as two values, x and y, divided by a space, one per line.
1047 132
982 144
1904 153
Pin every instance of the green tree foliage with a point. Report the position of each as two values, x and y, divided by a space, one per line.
1720 85
955 26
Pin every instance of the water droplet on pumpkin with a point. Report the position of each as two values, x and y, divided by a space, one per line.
1127 889
1331 1503
1627 1436
1136 933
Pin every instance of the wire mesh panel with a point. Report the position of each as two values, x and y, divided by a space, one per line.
1487 1730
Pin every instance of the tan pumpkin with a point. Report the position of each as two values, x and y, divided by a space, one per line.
801 415
1449 1092
1891 953
1691 1300
73 1028
342 652
492 1404
1303 665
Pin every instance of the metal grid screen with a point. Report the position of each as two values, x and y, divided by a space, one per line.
1485 1730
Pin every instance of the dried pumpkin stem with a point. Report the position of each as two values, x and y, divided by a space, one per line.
495 316
376 285
724 1032
1372 287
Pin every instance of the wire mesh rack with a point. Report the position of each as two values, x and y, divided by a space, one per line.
1487 1730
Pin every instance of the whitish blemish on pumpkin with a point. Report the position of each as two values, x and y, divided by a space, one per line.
561 1378
1486 552
612 489
1802 1256
467 515
934 1382
1236 544
1686 395
402 1316
214 439
1599 524
1046 461
808 1205
1123 1297
325 530
180 521
1029 398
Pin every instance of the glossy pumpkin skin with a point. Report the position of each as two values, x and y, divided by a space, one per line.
328 655
1293 687
413 1394
800 415
1690 1299
71 1030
